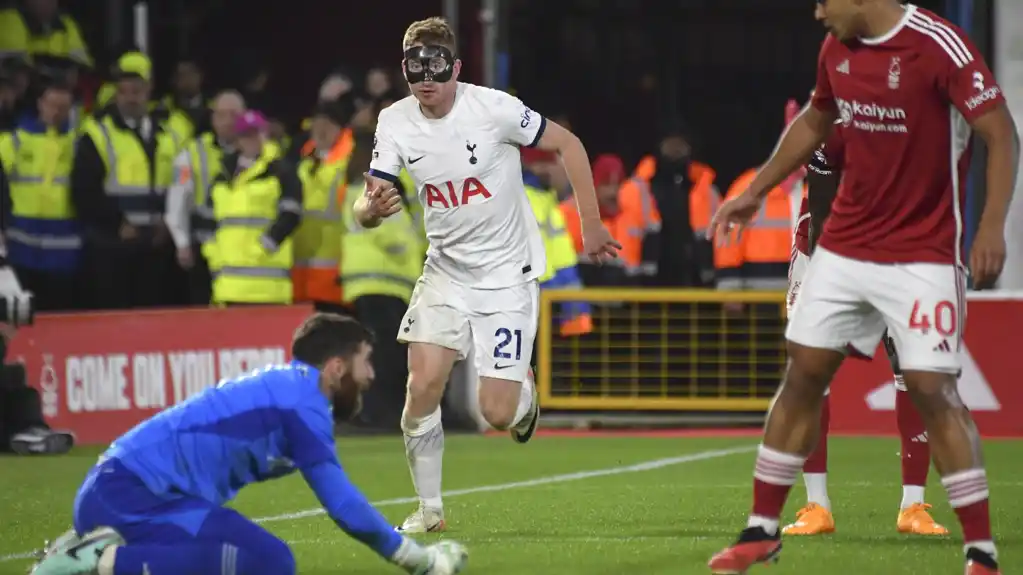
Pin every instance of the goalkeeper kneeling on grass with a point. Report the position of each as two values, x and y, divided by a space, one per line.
154 503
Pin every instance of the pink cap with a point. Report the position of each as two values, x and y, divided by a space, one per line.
250 121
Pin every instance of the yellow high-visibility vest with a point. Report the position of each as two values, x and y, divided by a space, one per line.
43 233
317 241
386 260
244 207
138 190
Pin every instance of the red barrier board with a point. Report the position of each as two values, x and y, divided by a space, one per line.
863 393
100 374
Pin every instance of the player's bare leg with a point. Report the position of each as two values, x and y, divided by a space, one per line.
914 515
790 434
429 368
955 446
815 517
511 405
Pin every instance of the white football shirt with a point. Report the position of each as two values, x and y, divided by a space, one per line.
468 175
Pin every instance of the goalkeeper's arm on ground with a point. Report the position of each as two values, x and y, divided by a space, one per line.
310 433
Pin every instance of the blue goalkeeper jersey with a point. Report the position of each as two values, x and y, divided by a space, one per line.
256 427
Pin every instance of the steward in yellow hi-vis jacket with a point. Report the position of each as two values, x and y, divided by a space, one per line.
562 272
44 242
257 202
122 169
39 29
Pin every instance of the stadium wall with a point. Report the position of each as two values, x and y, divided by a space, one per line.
100 374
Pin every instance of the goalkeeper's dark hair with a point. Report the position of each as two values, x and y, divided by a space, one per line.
324 336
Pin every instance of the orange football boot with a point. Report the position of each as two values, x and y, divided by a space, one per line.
811 520
916 520
752 548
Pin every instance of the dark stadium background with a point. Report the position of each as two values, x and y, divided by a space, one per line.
619 69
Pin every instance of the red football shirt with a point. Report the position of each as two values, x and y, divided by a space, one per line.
905 101
825 161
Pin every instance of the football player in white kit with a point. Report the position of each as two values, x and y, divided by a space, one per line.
478 298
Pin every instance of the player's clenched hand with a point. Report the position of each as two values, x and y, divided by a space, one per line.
987 256
598 242
382 199
734 213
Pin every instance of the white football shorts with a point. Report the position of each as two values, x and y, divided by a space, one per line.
494 327
844 302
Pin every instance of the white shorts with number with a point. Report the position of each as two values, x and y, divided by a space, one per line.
494 328
845 302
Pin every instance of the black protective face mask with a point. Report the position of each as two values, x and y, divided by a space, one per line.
430 63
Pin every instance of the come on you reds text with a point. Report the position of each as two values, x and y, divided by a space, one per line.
153 380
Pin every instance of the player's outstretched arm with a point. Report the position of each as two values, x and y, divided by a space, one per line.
350 510
598 242
804 135
309 433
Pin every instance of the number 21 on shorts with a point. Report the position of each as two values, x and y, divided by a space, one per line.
504 339
943 318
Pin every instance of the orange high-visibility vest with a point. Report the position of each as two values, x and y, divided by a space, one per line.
317 241
759 258
703 196
636 216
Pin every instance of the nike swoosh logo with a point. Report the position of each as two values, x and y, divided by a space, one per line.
73 551
499 366
411 161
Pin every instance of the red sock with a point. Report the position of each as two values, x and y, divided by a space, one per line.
773 476
916 452
968 495
818 460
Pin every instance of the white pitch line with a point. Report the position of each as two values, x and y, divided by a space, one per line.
548 480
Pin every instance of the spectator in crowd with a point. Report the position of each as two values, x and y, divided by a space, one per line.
629 214
254 85
36 28
8 98
43 237
15 77
378 82
379 268
686 198
335 87
337 84
189 216
257 203
187 98
64 71
122 169
317 244
758 259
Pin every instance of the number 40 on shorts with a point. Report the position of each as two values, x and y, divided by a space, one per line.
944 318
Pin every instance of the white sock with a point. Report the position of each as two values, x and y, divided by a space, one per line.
911 495
985 546
817 489
770 526
525 401
424 448
106 561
